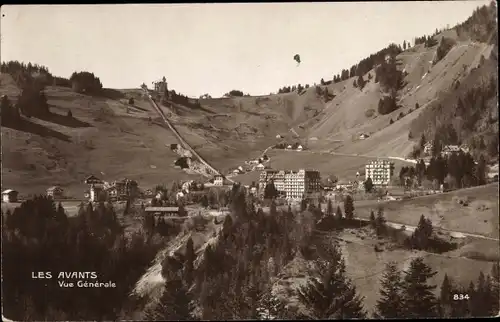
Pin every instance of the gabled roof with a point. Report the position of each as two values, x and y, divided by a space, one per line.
55 188
93 179
8 191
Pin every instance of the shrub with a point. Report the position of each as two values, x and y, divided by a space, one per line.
85 82
387 105
370 113
69 114
131 101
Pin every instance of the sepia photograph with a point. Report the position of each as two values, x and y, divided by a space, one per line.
250 161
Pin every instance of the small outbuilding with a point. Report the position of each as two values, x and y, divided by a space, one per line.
9 195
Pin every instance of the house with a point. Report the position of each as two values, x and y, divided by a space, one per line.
9 195
449 149
90 180
428 148
236 171
465 148
218 180
55 192
363 136
299 147
288 147
122 189
260 167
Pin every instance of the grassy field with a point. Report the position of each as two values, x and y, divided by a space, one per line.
479 217
71 207
365 267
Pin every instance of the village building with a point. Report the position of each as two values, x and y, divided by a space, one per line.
291 184
363 136
428 148
299 148
55 192
218 180
9 195
380 171
449 149
122 189
260 166
162 211
288 147
96 187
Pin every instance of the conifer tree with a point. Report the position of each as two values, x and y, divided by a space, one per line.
420 301
333 296
391 303
445 297
339 215
174 305
329 208
372 219
349 207
189 262
380 222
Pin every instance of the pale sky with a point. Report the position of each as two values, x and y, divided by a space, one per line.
213 48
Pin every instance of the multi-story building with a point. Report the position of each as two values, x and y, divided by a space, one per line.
291 184
380 171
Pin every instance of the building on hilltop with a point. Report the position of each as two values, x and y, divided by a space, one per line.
380 171
291 184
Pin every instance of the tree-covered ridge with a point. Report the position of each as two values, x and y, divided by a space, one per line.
466 115
39 237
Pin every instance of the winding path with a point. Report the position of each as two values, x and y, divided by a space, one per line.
211 169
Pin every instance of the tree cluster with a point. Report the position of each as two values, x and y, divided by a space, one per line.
387 105
445 45
411 295
466 115
85 82
367 64
39 237
481 26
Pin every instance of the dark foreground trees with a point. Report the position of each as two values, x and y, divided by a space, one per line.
39 237
333 296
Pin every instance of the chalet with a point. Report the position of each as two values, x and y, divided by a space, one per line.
9 195
236 171
288 147
123 189
449 149
96 187
363 136
299 148
428 148
55 192
465 148
260 167
90 180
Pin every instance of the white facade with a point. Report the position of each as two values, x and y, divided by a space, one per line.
218 180
293 184
380 171
9 195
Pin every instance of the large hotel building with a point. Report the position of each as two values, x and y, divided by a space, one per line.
291 184
380 171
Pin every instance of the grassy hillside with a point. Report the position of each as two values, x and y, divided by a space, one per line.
102 139
480 216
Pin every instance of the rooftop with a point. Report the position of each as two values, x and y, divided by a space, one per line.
166 209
